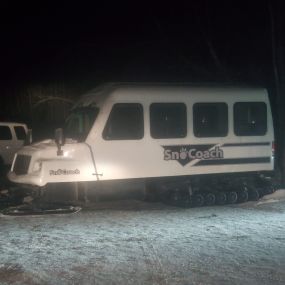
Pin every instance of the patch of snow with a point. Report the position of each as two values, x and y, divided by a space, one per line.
132 242
278 195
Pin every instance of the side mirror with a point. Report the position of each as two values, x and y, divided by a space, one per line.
59 140
29 137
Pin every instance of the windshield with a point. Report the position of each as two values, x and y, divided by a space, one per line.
79 123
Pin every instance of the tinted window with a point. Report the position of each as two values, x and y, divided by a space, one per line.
210 119
5 133
168 120
79 123
125 122
20 133
250 118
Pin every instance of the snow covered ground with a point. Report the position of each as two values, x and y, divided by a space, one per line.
131 242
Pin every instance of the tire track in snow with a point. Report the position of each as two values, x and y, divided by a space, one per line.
153 263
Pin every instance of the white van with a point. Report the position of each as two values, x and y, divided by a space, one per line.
158 136
12 137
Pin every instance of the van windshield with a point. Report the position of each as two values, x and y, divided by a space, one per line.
79 123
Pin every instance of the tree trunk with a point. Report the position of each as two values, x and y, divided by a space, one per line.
278 63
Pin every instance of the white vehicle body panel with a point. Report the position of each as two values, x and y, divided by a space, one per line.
56 168
100 159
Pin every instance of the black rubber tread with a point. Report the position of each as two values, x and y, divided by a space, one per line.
269 190
197 200
185 204
253 195
175 196
221 198
210 199
180 197
151 197
232 197
242 196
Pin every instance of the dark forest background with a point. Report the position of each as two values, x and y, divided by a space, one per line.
51 54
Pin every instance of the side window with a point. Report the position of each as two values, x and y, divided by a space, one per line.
5 133
20 133
168 120
210 119
250 118
79 123
125 122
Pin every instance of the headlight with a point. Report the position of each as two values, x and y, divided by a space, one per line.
37 166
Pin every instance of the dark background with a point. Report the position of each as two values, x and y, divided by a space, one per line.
52 53
203 41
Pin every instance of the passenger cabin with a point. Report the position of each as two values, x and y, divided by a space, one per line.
171 131
123 132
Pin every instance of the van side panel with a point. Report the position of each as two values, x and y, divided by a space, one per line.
149 157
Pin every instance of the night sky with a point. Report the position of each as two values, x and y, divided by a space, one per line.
200 41
204 42
78 46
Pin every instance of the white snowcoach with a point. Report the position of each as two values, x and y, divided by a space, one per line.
190 145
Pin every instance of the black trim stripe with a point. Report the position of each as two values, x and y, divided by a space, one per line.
246 144
233 161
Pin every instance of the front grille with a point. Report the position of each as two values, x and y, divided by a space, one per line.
22 163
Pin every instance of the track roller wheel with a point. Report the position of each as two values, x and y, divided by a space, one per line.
221 198
210 199
253 195
232 197
269 190
198 200
242 196
261 192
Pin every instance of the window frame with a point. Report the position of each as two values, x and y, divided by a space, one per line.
169 137
80 114
210 136
16 133
234 120
141 108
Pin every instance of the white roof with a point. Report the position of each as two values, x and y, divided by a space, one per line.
98 95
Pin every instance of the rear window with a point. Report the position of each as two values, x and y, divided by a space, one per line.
5 133
210 119
20 133
250 118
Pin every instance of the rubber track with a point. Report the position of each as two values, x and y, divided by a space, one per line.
188 204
